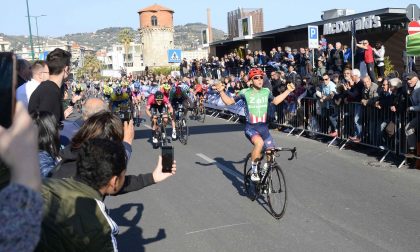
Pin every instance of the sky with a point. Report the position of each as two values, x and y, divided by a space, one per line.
74 16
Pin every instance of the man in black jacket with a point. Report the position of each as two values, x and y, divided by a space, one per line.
47 96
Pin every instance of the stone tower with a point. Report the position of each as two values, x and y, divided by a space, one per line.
157 34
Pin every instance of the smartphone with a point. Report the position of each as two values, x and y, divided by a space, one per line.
167 158
8 80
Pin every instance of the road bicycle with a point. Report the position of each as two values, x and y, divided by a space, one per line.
272 184
199 111
181 124
160 132
136 114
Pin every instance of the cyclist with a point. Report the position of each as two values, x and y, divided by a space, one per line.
136 100
256 99
179 94
158 103
165 89
120 103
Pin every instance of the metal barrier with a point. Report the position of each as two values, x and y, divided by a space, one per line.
367 125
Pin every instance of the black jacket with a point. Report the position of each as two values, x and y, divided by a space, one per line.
67 169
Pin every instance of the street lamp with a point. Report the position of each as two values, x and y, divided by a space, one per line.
37 35
30 31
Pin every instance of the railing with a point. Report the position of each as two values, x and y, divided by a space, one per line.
345 123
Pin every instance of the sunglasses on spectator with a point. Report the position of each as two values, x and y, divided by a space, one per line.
325 79
257 77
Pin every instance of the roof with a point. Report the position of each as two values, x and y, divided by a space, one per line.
155 8
384 11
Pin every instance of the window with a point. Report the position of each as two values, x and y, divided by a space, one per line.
154 21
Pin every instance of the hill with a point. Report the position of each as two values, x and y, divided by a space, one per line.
185 37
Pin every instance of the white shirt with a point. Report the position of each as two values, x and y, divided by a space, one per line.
24 92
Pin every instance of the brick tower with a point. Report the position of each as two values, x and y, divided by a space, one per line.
157 34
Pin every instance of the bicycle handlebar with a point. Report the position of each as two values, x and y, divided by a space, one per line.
292 150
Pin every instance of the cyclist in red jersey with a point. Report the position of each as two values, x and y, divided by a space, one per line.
158 104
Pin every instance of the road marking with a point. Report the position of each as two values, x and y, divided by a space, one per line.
215 228
221 167
147 126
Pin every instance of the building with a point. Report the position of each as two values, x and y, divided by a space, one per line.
157 34
114 60
233 16
4 45
388 25
41 51
195 54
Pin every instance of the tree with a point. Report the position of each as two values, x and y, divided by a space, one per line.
91 67
125 37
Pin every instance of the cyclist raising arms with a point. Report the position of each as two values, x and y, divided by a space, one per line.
256 100
157 103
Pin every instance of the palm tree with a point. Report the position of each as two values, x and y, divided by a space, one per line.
92 66
125 37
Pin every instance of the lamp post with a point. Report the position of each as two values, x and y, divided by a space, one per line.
37 34
30 31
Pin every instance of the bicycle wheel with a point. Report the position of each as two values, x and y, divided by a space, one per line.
277 193
249 186
164 140
183 131
202 113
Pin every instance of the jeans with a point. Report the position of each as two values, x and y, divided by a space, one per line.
358 120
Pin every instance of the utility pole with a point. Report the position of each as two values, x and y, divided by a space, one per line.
37 34
30 31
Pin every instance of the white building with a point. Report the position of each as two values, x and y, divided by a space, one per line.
114 59
196 54
4 45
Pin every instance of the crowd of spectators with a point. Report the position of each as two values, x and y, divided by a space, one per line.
81 162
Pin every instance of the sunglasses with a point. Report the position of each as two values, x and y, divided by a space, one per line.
257 78
325 79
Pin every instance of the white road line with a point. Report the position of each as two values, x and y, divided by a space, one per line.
215 228
147 126
222 167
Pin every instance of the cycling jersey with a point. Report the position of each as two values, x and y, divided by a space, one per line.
151 102
179 92
256 104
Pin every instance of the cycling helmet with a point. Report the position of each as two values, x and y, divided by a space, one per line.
136 85
158 96
255 71
118 90
166 86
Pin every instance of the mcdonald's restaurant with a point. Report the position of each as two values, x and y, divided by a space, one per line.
388 25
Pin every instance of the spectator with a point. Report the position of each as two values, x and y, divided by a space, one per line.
102 124
40 73
338 58
47 96
48 141
353 91
414 105
75 217
369 98
70 128
379 55
368 58
20 200
23 68
321 69
347 55
326 95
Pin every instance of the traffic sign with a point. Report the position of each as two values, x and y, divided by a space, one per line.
174 56
312 37
413 27
412 12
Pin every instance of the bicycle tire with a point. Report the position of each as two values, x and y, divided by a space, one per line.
203 114
250 187
183 131
277 192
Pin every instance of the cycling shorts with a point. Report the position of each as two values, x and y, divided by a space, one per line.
199 94
260 129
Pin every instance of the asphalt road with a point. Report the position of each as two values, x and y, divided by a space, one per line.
337 200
